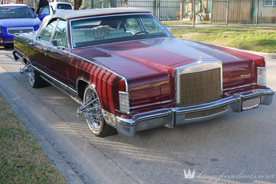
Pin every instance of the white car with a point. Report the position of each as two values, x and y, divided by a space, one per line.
61 6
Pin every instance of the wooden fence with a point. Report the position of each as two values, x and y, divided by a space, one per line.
233 11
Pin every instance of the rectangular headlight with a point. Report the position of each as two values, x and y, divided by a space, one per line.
261 76
124 102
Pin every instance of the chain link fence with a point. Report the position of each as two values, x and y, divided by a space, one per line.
179 13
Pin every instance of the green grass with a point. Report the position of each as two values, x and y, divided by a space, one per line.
22 159
260 39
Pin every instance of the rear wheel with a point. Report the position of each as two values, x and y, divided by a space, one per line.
34 78
94 117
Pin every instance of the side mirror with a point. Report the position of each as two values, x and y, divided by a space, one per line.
57 42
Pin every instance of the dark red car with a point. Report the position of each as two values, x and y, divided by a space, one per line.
130 73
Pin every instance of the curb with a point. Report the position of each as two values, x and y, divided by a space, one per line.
78 160
63 167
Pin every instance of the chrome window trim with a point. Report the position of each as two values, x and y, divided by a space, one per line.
198 66
51 37
53 32
146 105
114 15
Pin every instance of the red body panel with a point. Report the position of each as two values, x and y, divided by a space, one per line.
146 66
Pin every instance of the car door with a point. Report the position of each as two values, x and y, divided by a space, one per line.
58 49
42 45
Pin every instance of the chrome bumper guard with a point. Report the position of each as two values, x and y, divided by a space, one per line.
170 117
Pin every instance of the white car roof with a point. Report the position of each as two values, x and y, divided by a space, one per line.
60 3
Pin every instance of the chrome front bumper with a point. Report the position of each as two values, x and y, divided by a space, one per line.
170 117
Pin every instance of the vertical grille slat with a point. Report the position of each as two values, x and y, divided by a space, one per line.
200 87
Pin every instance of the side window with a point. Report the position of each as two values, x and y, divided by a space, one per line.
47 32
132 25
61 33
151 26
45 10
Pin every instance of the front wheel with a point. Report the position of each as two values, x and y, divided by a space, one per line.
94 116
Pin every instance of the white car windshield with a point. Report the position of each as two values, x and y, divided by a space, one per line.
93 31
64 6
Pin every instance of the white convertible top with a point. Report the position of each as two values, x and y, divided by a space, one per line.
91 12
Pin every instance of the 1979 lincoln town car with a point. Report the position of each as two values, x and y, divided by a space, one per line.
129 73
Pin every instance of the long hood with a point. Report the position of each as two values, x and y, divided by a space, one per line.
135 59
19 22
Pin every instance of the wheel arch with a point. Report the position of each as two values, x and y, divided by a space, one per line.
81 85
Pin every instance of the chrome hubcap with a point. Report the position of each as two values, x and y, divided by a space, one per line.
92 110
31 76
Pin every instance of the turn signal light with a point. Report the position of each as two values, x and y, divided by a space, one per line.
261 78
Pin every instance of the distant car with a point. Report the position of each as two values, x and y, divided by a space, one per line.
61 6
47 10
16 18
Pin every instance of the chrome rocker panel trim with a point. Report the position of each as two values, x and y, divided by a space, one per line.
170 117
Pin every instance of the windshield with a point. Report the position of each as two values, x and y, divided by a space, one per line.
93 31
16 12
64 6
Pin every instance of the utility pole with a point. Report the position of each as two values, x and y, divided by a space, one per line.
227 12
193 13
257 14
76 7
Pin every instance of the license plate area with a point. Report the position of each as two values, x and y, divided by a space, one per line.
251 104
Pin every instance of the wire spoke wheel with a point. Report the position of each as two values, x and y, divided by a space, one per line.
31 76
94 117
93 114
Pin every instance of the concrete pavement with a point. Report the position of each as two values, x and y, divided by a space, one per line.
73 155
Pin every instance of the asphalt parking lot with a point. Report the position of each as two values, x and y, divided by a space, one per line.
235 148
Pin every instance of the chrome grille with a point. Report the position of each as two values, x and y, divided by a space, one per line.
20 30
200 87
205 113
